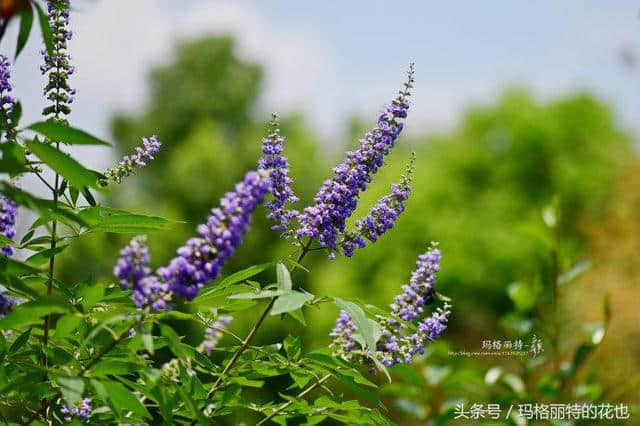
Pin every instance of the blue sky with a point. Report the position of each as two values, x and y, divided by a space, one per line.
331 59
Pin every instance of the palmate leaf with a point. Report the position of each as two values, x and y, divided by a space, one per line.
65 165
60 132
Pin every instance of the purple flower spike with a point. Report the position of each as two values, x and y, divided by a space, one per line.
395 345
8 213
278 167
338 196
133 264
133 272
213 334
80 410
6 304
7 102
382 216
58 64
201 259
139 159
419 292
343 340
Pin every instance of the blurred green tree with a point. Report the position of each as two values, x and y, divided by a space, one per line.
479 190
201 106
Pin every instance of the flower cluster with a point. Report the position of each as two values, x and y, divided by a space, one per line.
6 304
201 259
278 167
397 343
343 341
338 197
8 212
139 159
58 64
213 334
381 217
419 292
7 102
133 272
81 410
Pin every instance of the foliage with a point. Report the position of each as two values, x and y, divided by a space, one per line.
553 367
112 351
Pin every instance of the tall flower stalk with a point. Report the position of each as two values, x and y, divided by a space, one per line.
139 159
57 67
8 212
337 199
381 217
200 260
7 101
407 330
277 166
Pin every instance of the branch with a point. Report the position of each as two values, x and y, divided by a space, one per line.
288 403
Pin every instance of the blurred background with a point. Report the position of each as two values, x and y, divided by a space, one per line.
517 108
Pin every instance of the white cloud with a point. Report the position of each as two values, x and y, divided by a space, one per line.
117 42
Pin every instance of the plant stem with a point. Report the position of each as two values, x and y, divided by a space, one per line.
288 403
52 259
245 343
104 351
555 272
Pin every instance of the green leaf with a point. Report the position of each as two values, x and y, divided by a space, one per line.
298 315
122 399
47 34
114 367
31 312
364 393
4 241
59 132
147 342
197 414
90 294
65 165
26 22
360 320
71 389
173 340
263 294
46 208
523 295
245 274
66 325
89 196
13 267
290 302
13 161
292 347
107 219
42 257
20 342
3 347
284 277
